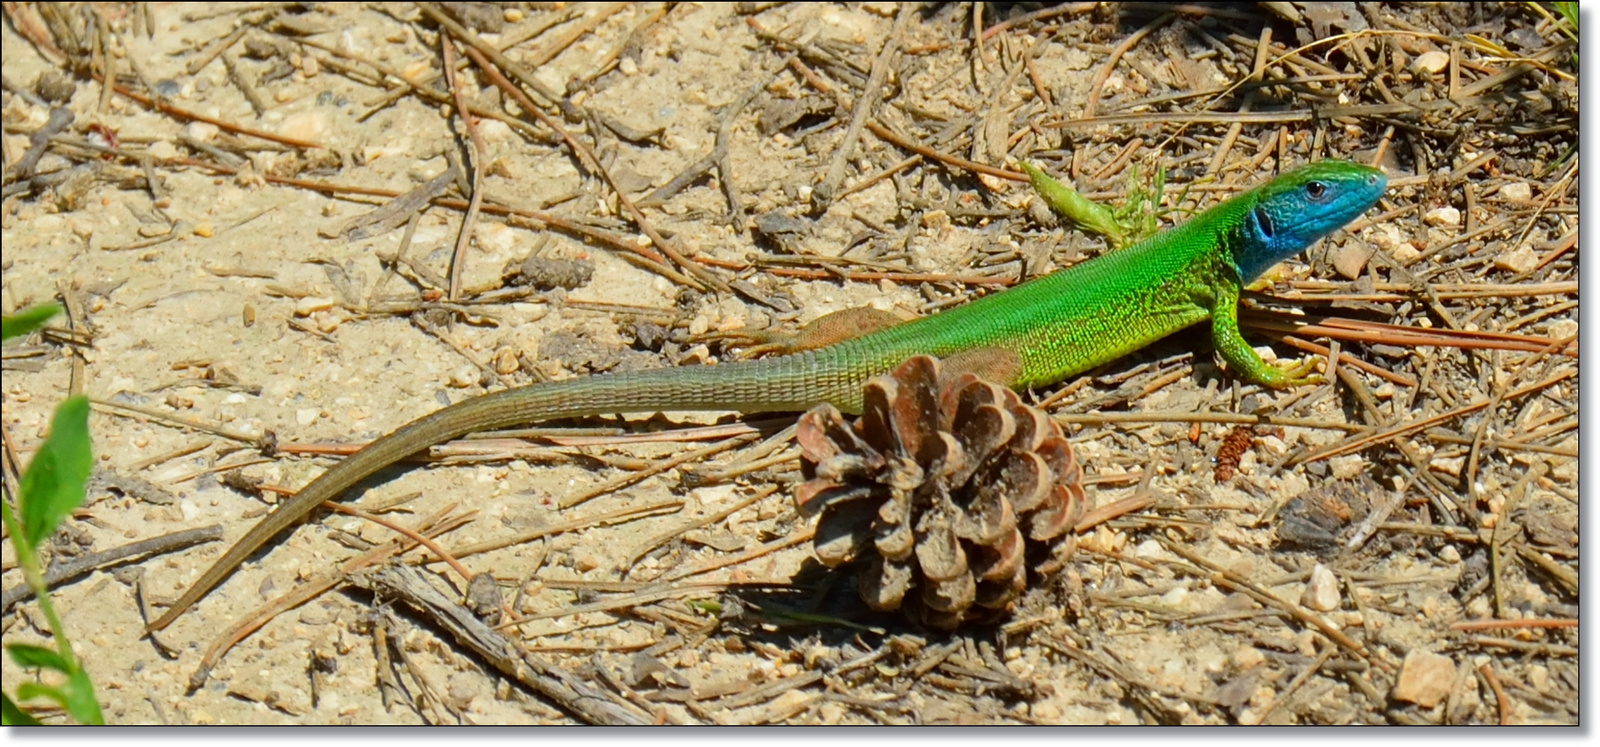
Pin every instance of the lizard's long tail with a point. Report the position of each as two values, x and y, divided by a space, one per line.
780 384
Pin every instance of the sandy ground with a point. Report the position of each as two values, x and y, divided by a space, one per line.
221 299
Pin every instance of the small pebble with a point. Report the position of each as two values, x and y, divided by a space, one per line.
203 132
1443 217
1347 467
1516 192
495 236
1350 259
316 615
168 88
1322 590
311 125
1386 237
1306 643
1043 712
1520 259
463 376
1478 608
585 560
1405 253
311 305
1425 678
1150 550
55 87
1248 657
1561 329
460 693
505 360
495 131
1539 677
1430 62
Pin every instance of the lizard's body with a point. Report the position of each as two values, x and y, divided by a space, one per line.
1043 331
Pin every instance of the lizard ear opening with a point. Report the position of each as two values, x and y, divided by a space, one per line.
1264 222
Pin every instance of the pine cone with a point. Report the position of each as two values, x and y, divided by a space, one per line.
951 489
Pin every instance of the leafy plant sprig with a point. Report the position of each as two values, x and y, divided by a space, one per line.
51 488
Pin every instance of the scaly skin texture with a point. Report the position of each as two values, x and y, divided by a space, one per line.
1042 332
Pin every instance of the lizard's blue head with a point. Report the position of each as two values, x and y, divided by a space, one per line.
1291 212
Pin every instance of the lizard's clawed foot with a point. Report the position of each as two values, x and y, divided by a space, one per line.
1299 373
1284 376
753 343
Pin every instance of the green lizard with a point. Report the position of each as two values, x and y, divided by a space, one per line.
1037 333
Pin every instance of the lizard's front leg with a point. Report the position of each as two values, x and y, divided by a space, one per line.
1242 358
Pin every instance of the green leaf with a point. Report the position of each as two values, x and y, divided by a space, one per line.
31 690
11 715
1569 11
81 701
76 696
27 320
38 657
54 483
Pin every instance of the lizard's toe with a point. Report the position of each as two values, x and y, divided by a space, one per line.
1301 373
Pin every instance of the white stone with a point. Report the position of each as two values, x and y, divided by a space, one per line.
311 305
1521 259
1561 329
464 376
1150 550
203 132
1443 217
1517 192
1430 62
1346 467
1322 590
310 125
495 236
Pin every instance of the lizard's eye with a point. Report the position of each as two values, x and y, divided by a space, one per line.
1316 190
